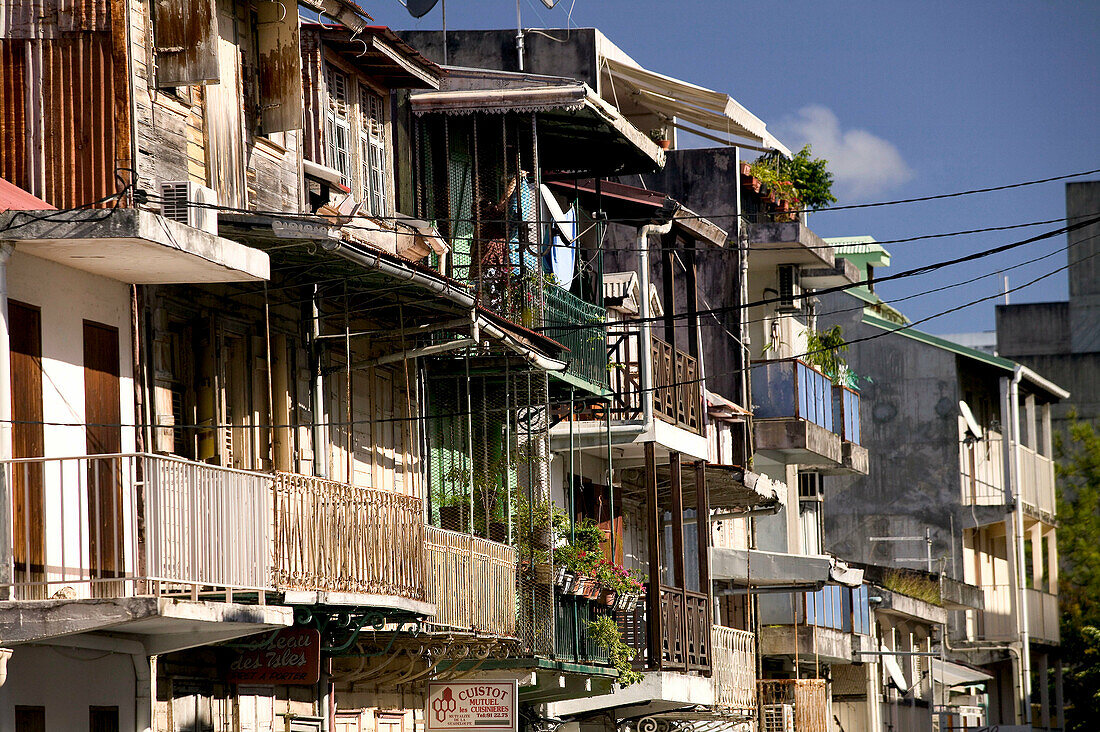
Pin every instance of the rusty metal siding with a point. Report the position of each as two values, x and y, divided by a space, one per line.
186 36
72 119
280 67
312 75
24 19
13 127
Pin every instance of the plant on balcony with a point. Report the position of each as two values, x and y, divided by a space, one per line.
605 632
824 349
801 180
913 585
620 582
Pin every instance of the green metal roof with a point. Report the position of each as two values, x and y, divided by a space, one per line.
941 343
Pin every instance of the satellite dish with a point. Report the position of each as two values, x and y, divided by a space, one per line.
972 425
420 8
550 3
893 670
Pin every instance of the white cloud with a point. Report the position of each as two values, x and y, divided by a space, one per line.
863 165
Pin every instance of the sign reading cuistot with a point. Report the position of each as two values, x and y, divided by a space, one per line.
288 656
489 706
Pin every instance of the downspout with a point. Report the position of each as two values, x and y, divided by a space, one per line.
320 467
1021 569
645 355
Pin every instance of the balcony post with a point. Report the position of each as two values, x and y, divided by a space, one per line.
677 507
6 482
653 591
702 522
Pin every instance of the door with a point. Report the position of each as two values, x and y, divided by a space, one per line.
103 719
102 412
30 719
28 521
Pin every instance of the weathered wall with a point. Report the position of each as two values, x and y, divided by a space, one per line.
909 423
66 681
574 58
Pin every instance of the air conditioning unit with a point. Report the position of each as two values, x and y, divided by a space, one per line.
790 288
190 203
777 718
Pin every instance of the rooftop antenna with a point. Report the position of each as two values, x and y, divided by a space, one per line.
1006 289
519 28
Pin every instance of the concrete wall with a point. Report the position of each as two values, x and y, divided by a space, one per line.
909 424
66 681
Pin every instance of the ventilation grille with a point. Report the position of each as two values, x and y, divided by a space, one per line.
790 288
175 204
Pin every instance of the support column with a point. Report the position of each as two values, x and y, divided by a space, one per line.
653 591
1059 697
1044 691
702 522
677 509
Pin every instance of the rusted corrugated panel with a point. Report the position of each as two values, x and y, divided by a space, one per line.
311 84
49 18
186 34
13 126
73 137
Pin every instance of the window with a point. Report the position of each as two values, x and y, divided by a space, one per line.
103 719
337 126
372 151
30 719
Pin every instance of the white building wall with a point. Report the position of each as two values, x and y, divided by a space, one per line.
67 681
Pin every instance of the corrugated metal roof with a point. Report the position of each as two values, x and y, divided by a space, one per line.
854 244
14 198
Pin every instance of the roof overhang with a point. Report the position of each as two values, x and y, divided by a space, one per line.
346 12
133 246
577 130
733 567
955 674
674 99
378 52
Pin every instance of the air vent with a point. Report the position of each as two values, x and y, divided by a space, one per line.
190 203
811 487
777 718
790 288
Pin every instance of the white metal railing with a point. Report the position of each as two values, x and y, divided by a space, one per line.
1037 480
471 582
1042 614
123 525
981 465
734 671
341 538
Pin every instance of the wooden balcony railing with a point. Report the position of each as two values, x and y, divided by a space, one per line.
336 537
677 389
684 627
734 674
471 582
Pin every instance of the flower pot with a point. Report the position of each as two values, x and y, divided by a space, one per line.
578 586
559 575
498 532
607 597
746 168
567 583
591 589
664 144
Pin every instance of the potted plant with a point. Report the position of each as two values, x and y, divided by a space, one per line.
454 511
660 136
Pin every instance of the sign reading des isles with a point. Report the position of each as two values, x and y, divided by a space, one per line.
460 706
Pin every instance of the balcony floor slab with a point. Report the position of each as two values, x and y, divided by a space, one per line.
658 691
161 625
355 599
797 441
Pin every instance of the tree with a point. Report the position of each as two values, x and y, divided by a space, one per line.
807 177
1078 471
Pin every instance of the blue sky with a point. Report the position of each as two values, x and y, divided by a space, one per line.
905 99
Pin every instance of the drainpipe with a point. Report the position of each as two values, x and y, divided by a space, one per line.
320 449
645 357
1021 569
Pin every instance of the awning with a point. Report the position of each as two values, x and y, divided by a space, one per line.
769 569
577 130
955 674
705 108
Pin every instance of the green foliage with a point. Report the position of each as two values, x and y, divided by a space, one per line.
1078 470
605 632
823 350
913 585
800 180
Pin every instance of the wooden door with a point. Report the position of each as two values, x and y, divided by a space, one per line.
102 413
30 719
103 719
28 524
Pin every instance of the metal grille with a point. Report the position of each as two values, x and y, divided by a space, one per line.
806 698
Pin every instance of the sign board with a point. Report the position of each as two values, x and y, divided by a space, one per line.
462 706
287 656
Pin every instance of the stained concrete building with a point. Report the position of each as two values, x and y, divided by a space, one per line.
1062 338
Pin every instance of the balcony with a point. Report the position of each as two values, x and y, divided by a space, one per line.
794 705
981 465
335 539
683 628
472 583
829 624
1037 482
572 614
997 622
561 312
846 416
1042 616
794 414
734 654
132 535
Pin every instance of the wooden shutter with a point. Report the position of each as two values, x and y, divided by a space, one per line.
186 38
102 413
280 66
25 328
